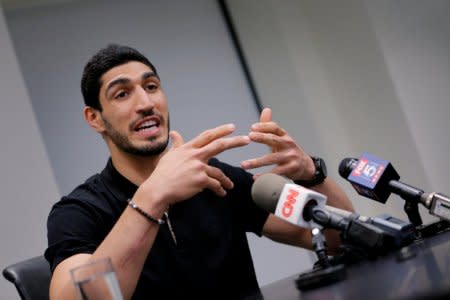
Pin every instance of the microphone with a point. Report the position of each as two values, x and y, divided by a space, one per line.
296 204
289 201
376 178
306 208
439 204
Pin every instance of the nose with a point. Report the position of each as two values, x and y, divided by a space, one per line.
143 99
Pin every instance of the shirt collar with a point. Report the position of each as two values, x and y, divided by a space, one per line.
121 187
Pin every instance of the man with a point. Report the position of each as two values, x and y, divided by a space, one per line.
174 219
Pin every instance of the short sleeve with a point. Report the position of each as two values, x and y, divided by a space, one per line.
72 228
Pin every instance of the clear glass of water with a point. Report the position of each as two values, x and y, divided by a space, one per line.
96 280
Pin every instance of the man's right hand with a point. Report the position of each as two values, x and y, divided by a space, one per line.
183 171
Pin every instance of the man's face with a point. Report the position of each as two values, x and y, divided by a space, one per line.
134 110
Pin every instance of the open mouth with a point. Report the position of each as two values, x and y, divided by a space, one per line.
147 125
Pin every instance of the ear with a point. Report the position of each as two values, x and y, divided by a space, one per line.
93 118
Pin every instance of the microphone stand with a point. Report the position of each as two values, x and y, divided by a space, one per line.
323 273
411 195
320 247
437 203
412 211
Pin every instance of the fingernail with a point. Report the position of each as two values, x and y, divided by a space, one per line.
251 135
255 126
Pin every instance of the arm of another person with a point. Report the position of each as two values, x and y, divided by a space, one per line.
291 161
182 172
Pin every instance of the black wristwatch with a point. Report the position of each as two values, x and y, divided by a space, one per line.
319 174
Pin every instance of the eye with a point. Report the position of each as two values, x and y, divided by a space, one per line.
121 95
151 86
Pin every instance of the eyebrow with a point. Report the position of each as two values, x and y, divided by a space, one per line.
120 81
148 75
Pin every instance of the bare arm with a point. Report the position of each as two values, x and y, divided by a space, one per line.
181 173
127 245
290 160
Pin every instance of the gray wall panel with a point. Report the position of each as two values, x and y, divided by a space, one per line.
27 184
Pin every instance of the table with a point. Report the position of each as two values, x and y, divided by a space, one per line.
419 271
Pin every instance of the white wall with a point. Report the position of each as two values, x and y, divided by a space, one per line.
414 37
26 181
352 76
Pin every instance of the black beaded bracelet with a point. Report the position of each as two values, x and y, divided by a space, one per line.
133 205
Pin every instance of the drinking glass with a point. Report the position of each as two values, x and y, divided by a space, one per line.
96 280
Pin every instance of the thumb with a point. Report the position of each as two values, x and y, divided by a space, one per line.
177 139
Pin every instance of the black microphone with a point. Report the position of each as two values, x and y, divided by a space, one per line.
307 209
376 178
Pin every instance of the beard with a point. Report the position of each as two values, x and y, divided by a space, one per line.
123 142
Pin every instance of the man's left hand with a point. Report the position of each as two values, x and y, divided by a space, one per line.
289 159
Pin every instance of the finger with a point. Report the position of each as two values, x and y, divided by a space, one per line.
210 135
218 175
266 115
266 160
177 139
217 181
268 127
268 139
215 186
283 169
220 145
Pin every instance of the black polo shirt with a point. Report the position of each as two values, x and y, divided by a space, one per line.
211 258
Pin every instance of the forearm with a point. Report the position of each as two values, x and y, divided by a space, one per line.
336 196
127 244
284 232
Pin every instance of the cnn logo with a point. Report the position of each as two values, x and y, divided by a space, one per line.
288 205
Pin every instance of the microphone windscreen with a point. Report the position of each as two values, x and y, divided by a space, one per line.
266 191
346 166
